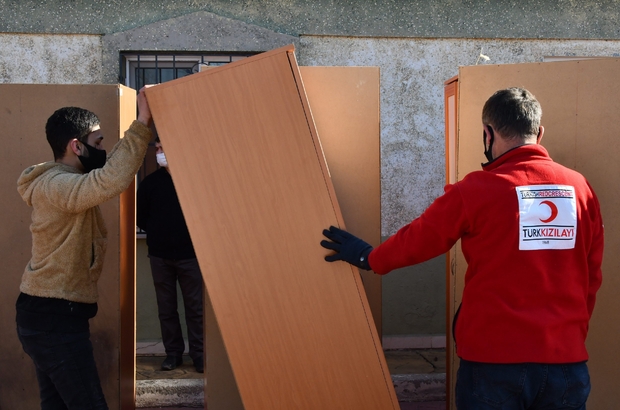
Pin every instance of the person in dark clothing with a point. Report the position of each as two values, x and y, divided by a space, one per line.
172 259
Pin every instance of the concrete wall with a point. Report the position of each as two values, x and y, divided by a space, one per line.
50 59
394 35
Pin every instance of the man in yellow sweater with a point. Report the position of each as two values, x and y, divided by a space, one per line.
59 285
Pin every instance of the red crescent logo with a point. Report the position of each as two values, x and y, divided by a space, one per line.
554 211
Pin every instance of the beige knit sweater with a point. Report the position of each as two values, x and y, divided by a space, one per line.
68 231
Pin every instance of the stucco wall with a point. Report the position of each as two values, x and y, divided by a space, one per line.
50 59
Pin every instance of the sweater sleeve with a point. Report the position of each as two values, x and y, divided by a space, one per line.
426 237
78 192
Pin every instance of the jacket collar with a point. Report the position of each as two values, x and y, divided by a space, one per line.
520 153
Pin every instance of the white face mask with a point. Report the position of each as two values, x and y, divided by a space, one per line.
161 160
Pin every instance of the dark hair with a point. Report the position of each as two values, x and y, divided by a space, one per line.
513 112
68 123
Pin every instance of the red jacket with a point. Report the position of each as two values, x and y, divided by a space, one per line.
534 257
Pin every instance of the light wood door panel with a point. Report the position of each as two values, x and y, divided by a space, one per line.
345 107
255 191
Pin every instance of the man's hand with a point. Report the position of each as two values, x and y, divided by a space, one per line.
349 248
144 112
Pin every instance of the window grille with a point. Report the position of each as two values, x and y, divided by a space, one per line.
137 69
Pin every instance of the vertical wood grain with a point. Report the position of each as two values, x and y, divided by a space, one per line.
451 137
127 254
344 102
254 189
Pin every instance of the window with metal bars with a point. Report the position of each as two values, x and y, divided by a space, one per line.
137 69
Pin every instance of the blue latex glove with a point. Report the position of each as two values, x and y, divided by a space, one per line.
348 248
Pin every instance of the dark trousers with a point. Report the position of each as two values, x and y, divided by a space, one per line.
166 273
65 368
532 386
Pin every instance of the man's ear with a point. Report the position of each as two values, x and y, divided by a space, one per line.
75 146
541 131
488 134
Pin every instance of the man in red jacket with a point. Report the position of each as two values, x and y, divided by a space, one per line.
532 234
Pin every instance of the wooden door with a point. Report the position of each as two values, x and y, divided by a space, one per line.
451 136
345 108
256 193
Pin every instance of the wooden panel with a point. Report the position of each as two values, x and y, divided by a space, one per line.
579 101
24 110
255 190
597 152
451 137
127 266
345 108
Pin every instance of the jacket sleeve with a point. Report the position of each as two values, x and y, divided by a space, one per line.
595 254
79 192
426 237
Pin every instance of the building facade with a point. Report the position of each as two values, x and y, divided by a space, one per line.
418 44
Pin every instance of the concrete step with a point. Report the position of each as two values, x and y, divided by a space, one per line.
190 392
418 376
170 393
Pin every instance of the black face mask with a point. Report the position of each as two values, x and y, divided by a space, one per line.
488 151
96 158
